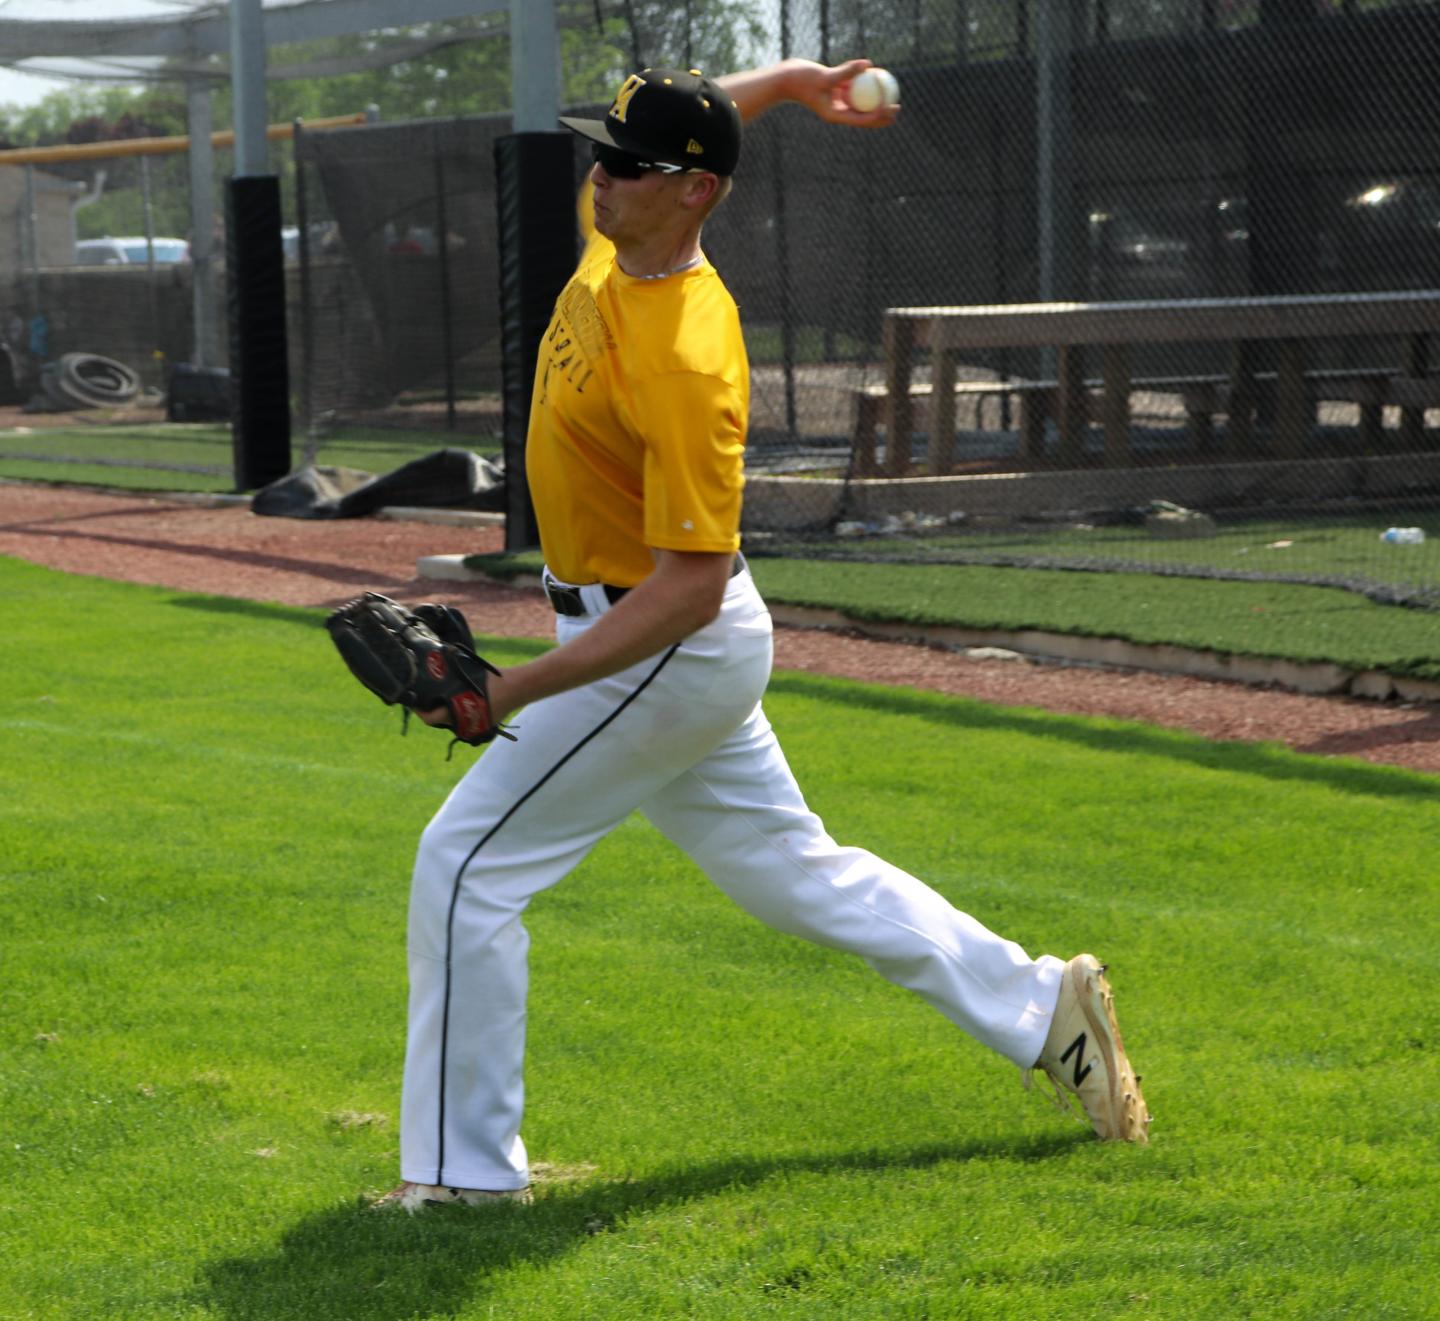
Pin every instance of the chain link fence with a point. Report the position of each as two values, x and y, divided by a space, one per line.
95 259
1139 151
396 281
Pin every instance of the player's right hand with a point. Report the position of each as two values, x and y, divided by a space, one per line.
822 90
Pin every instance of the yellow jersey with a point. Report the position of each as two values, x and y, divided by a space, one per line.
638 418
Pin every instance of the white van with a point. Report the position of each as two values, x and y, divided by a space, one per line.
130 252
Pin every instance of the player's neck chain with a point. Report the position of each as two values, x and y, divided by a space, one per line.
674 270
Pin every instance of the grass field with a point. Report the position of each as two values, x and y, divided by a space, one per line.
195 456
1277 620
1343 547
1263 615
205 836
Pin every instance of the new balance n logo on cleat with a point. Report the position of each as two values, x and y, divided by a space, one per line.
1077 1048
1085 1058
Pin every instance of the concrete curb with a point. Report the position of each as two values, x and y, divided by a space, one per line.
442 517
1316 678
453 569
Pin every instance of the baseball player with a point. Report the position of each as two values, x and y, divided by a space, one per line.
652 700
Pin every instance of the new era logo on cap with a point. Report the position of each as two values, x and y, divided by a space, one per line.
670 116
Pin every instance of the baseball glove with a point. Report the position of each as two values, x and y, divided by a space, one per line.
420 658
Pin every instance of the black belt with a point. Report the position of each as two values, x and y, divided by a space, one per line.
568 600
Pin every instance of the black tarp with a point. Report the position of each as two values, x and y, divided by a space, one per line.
445 479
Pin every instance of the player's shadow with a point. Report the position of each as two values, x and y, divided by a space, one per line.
381 1265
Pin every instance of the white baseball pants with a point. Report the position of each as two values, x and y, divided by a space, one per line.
682 738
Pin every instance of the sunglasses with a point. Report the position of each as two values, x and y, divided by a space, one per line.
622 165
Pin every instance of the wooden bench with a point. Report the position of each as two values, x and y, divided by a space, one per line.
1373 389
1073 330
868 410
1201 398
1036 403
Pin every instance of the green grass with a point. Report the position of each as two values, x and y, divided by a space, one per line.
173 457
1265 617
1335 546
188 456
766 345
1276 620
205 834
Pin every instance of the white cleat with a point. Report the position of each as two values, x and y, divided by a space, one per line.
1084 1056
412 1197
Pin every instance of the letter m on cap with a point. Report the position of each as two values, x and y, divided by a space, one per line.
625 95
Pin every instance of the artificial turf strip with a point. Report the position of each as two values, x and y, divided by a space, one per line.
205 834
114 476
1280 620
1343 547
191 456
1283 621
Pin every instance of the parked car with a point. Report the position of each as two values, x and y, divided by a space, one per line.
130 251
324 240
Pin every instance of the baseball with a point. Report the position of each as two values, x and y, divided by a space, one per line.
872 89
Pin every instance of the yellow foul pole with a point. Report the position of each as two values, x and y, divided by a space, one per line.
92 151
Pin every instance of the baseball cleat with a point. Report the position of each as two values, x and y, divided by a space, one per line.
412 1197
1085 1058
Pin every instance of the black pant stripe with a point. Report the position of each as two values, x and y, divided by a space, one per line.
470 857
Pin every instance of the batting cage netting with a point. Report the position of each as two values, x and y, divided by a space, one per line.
1154 155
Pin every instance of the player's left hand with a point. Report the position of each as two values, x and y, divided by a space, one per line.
501 705
822 90
423 660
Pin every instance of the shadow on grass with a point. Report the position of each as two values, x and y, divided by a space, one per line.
1270 760
363 1264
270 611
314 617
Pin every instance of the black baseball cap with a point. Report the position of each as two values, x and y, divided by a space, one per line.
670 117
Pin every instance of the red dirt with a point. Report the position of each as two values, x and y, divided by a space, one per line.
232 552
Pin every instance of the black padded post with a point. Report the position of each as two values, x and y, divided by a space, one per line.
259 365
535 197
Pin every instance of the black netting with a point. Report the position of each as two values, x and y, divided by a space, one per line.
1194 152
399 321
1112 151
97 261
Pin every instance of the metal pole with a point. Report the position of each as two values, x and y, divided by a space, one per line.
307 319
39 326
447 330
247 76
261 421
204 350
147 205
157 353
534 65
782 240
32 226
1054 40
829 337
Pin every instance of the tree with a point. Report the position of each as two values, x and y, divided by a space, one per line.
449 69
